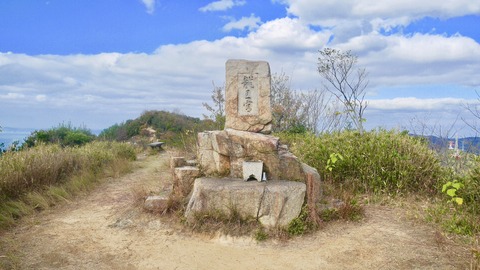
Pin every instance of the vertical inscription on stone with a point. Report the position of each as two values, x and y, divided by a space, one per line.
247 94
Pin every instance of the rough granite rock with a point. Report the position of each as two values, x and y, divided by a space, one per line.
273 203
183 178
247 98
177 162
223 153
156 203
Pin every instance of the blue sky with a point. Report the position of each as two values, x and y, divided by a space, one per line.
101 62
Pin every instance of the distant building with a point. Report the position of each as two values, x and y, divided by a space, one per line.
451 145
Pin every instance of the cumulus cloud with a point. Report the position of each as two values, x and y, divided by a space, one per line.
250 23
329 12
222 5
150 5
112 87
417 59
357 17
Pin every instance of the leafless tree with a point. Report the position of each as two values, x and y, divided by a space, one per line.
217 110
346 82
314 110
474 110
286 104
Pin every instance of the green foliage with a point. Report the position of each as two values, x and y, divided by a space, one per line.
64 135
301 224
331 162
169 127
451 188
454 220
380 161
471 191
260 235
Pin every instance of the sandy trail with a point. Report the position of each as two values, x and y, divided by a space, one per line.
106 230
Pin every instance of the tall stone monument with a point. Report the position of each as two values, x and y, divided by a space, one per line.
222 155
248 96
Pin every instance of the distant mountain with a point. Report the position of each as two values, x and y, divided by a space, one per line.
467 144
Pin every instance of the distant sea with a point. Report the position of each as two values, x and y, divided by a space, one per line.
8 135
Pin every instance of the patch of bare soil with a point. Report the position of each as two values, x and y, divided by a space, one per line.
107 230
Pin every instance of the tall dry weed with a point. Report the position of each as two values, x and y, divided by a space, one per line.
35 178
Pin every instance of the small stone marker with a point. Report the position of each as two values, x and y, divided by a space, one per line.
248 96
252 170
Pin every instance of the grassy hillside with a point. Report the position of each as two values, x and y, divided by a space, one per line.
168 126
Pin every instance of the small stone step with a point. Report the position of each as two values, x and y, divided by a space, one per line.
156 203
192 162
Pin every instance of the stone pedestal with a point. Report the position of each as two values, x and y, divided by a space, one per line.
273 203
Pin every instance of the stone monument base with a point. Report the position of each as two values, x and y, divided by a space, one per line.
272 203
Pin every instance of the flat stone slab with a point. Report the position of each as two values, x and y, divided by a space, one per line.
273 203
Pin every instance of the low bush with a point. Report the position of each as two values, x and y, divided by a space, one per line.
64 135
379 161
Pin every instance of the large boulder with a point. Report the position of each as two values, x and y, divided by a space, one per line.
273 203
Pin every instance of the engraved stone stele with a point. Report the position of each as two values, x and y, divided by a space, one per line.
247 95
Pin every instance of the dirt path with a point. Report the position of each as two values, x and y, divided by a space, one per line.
106 230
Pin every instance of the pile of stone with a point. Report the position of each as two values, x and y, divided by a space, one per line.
287 183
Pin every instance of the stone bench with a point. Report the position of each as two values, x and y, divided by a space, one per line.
272 203
156 145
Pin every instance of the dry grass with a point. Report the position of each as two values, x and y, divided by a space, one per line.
37 178
214 222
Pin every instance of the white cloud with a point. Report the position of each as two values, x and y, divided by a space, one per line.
288 35
222 5
417 59
112 87
415 104
40 97
150 5
329 12
351 18
12 96
250 23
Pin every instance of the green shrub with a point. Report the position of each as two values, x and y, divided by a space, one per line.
471 191
377 161
64 135
301 224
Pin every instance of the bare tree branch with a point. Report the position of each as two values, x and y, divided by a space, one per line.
338 70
